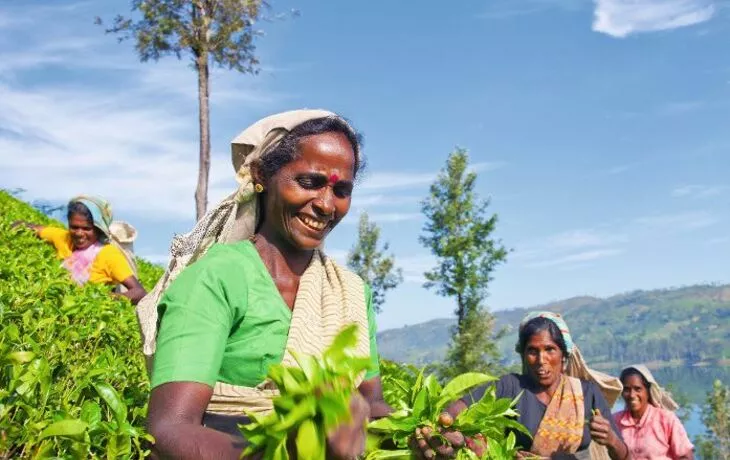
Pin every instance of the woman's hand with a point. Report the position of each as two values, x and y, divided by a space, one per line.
601 430
348 440
428 446
603 434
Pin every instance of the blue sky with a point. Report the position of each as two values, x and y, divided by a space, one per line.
599 129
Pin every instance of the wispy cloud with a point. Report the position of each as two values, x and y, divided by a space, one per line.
131 136
699 191
503 9
387 180
620 18
584 238
385 217
680 108
577 258
719 240
570 247
415 266
619 169
686 221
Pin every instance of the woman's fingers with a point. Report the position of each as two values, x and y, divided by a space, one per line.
600 430
428 446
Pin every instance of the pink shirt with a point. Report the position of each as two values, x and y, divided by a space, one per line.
659 435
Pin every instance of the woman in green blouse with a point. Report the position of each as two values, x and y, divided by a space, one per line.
257 285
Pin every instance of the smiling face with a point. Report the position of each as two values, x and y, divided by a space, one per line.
543 359
82 231
635 394
309 196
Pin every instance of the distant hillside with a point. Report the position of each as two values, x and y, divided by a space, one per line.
688 325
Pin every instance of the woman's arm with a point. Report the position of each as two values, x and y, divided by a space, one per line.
135 291
21 223
175 419
679 443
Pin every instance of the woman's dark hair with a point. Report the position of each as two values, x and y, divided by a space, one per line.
288 149
539 324
629 371
79 208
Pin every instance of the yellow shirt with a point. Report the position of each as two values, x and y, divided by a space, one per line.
109 267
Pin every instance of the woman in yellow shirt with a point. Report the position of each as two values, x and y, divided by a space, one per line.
86 250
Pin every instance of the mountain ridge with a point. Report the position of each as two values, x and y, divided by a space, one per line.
686 325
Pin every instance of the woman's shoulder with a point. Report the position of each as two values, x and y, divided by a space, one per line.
228 254
512 383
223 261
667 416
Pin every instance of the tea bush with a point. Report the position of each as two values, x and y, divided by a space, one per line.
73 382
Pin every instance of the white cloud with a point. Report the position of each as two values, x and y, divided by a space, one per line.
579 257
501 9
620 18
125 130
618 169
698 191
685 221
584 238
394 180
384 217
560 249
719 240
415 266
386 180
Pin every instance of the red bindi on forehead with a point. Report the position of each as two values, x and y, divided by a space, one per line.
333 179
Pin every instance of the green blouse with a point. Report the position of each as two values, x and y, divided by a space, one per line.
223 320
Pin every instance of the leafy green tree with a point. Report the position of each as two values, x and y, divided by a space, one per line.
715 443
219 32
458 231
373 264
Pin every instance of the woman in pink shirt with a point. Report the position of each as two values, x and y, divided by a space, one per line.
648 425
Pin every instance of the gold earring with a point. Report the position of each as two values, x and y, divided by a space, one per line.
258 188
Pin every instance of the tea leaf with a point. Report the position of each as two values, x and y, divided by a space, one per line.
70 428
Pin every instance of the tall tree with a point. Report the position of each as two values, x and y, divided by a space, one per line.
458 231
216 32
372 264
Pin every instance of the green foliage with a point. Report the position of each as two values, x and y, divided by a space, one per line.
715 443
73 382
420 400
397 380
314 399
458 231
212 31
372 264
148 273
474 347
219 29
683 400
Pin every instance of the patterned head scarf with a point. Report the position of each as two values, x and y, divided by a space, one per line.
576 366
233 219
101 211
659 396
253 143
557 320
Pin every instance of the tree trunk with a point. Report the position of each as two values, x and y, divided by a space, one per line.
201 191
